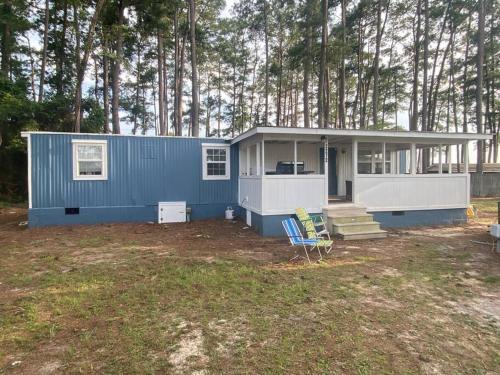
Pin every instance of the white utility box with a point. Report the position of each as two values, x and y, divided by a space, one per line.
495 230
171 212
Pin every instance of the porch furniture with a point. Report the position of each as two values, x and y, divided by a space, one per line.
315 228
296 238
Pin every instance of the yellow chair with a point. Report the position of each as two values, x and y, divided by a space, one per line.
315 228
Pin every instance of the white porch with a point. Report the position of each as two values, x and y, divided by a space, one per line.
282 168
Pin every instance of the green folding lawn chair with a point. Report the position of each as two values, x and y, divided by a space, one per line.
315 228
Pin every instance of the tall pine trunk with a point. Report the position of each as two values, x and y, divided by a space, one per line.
322 64
341 105
266 37
195 105
61 56
479 83
105 83
44 51
307 63
82 65
376 65
115 102
161 82
416 62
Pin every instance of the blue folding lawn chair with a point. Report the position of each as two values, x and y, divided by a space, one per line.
296 238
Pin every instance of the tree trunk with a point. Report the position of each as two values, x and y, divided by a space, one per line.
44 51
161 89
137 87
61 57
376 65
266 36
341 106
219 96
105 84
416 61
322 64
165 90
6 47
280 82
430 122
82 65
434 98
32 68
479 84
180 87
254 75
78 68
307 64
194 72
209 107
115 102
425 68
176 72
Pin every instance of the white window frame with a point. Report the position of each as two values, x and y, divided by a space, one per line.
104 159
204 161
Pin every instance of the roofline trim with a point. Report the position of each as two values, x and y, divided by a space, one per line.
359 133
26 134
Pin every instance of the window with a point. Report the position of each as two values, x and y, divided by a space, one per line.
215 162
90 159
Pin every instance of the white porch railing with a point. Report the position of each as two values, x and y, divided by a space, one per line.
411 192
281 194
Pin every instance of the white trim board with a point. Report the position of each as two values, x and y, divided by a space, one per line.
30 188
371 134
27 133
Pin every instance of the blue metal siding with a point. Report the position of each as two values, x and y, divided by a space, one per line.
421 217
270 225
142 171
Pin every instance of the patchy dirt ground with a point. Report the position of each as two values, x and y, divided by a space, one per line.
213 297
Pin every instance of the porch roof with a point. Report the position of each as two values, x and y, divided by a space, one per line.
346 135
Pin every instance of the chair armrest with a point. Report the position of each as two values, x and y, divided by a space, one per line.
317 220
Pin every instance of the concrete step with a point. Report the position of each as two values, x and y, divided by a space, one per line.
364 235
361 218
366 227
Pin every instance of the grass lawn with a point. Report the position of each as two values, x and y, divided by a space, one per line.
212 297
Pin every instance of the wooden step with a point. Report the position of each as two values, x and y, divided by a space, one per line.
363 235
343 212
366 227
361 218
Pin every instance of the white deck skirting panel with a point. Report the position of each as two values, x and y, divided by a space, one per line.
250 193
281 194
407 192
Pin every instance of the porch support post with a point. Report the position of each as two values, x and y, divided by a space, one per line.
440 171
413 159
450 164
295 157
248 160
257 158
383 158
263 159
354 168
372 159
325 161
466 157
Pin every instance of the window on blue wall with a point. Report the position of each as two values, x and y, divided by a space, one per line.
90 159
215 161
